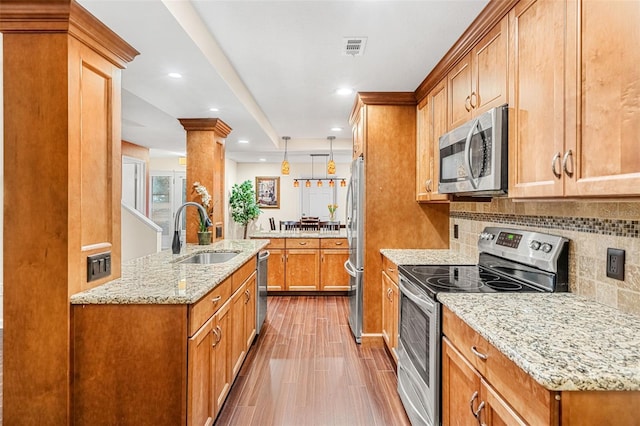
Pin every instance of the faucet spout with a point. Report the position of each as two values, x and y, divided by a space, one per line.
175 244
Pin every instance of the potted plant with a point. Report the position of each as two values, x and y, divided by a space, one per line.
204 235
244 206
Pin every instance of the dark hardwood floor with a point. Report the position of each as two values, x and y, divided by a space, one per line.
306 369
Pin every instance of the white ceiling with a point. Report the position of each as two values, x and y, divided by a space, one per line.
271 67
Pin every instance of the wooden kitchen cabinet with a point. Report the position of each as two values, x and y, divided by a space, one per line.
431 124
467 399
201 403
574 116
359 132
222 368
390 302
302 266
238 343
479 81
275 265
334 252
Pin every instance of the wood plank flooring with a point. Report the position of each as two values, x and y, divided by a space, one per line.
306 369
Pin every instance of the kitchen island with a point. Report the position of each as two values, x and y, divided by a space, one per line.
163 343
555 358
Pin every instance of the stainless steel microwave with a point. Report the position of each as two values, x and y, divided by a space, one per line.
473 157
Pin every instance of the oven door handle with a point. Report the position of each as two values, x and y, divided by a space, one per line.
423 302
467 153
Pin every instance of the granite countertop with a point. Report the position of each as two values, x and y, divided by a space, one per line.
158 279
427 257
562 340
299 234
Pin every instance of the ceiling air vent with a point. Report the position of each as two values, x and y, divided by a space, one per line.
353 46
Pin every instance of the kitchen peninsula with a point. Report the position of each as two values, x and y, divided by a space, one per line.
163 343
304 261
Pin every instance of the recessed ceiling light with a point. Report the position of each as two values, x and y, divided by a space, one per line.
243 141
336 129
175 75
262 159
214 109
344 91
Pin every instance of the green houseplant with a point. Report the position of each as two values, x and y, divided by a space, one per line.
244 206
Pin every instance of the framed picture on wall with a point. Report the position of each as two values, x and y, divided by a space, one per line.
268 192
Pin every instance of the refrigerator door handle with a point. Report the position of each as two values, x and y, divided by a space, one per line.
349 269
349 210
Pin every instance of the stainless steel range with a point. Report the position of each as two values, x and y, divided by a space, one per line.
510 260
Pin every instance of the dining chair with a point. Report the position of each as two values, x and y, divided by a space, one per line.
329 226
289 225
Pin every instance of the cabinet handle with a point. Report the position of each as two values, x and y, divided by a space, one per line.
427 185
554 160
302 243
216 332
473 398
216 299
467 104
474 103
338 243
567 155
391 270
478 354
478 412
248 294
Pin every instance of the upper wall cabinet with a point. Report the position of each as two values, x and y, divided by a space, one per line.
575 112
431 123
603 100
479 81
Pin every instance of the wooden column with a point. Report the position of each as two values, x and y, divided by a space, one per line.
62 185
205 164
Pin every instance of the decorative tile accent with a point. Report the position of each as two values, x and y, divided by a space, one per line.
616 227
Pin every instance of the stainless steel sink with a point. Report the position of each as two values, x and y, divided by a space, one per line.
210 257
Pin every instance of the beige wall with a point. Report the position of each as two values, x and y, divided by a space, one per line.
591 226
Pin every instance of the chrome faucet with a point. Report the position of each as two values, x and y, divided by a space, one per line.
175 244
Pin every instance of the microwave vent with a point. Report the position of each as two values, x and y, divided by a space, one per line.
353 46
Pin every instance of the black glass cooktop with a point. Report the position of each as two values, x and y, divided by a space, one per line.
461 279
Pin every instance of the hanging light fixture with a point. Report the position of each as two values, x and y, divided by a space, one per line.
296 183
331 166
284 169
307 183
332 183
343 183
319 183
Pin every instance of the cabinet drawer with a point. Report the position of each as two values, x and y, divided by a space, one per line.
329 243
243 272
275 243
303 243
390 268
533 402
203 309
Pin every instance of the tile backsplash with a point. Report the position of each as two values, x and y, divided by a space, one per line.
592 226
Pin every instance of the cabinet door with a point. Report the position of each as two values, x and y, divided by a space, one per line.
423 170
238 342
459 89
489 61
603 113
496 411
250 290
395 300
275 270
359 136
332 273
460 388
302 269
536 85
200 374
438 127
387 310
222 367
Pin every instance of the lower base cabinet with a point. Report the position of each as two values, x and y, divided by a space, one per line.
162 364
390 306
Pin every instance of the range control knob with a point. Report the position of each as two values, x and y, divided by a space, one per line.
534 245
546 247
486 236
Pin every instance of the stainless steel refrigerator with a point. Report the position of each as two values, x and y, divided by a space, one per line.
355 236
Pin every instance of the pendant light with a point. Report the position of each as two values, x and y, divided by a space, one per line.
307 184
319 183
331 166
296 183
343 183
284 169
331 183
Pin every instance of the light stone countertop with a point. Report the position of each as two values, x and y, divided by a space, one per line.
299 234
158 279
562 340
427 257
